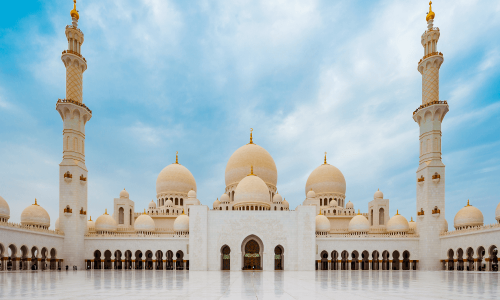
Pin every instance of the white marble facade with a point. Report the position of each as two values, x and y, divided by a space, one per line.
251 226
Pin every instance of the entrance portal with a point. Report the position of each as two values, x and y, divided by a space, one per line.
252 259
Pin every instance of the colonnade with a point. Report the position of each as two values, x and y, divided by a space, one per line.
470 260
364 262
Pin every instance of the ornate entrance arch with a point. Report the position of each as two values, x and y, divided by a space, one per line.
252 249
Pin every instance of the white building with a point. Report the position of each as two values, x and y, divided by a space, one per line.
251 226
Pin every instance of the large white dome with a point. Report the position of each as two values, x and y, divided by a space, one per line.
175 178
181 224
35 215
251 189
359 224
322 224
398 223
251 155
105 223
468 216
144 223
326 179
4 209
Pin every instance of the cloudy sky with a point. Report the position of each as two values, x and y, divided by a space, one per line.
194 77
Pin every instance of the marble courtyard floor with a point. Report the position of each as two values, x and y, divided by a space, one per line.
118 284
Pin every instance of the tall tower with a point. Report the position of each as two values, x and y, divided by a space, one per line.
72 169
431 170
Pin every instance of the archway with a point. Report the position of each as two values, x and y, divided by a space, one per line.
345 260
335 257
138 260
324 260
375 264
395 260
252 249
406 260
118 260
493 259
149 260
355 260
470 259
385 260
170 260
365 260
97 260
11 262
43 262
34 258
128 259
53 260
23 265
179 260
460 260
480 256
159 260
226 258
107 260
451 260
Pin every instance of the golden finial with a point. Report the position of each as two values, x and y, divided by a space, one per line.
358 212
144 212
177 157
325 158
90 218
430 14
397 212
320 211
105 211
251 172
411 219
251 137
467 202
183 209
74 12
35 202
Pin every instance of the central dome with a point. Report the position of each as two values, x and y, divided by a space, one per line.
175 178
251 189
326 179
251 155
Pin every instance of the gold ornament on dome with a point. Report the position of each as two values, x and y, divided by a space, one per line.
74 12
430 14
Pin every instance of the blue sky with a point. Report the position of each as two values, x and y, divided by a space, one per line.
308 76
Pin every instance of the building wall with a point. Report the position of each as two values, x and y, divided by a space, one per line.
30 238
485 237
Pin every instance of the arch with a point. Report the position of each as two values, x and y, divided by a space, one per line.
460 259
355 260
335 257
53 259
159 260
381 216
252 249
324 260
179 260
181 202
97 260
365 260
395 260
170 260
375 259
130 217
45 254
345 260
176 201
34 258
118 260
385 260
107 260
225 252
148 261
480 256
121 215
493 258
128 260
451 261
470 259
406 260
371 217
23 264
138 260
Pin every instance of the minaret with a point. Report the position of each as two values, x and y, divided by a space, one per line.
72 169
430 177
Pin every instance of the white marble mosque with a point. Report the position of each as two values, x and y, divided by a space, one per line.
251 226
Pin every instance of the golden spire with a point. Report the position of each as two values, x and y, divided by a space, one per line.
358 212
35 202
251 172
466 205
183 208
177 157
430 14
74 12
105 211
90 218
251 137
320 211
144 212
325 158
411 219
397 212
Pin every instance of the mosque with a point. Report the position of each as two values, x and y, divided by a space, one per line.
251 226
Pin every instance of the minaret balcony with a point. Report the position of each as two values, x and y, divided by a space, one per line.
431 54
423 34
75 53
429 104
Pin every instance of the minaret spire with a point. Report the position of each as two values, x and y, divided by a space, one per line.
325 158
251 137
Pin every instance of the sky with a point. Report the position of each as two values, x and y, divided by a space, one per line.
195 76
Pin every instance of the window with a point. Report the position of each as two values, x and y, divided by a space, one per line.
121 215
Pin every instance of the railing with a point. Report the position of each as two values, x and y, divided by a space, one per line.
74 102
429 104
429 55
429 30
340 212
369 235
470 229
30 228
78 29
135 235
75 53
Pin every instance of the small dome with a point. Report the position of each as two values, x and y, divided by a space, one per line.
445 225
224 198
378 195
468 216
322 224
349 205
181 223
144 223
5 210
359 224
169 203
251 189
124 194
285 203
90 224
216 204
277 198
56 226
334 203
192 194
173 179
497 212
35 215
311 194
413 225
152 204
105 223
398 223
326 179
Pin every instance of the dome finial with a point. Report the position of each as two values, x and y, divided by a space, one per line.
74 12
90 218
251 137
144 212
183 208
177 157
430 14
359 212
411 219
397 212
35 202
467 202
105 211
251 172
320 211
325 158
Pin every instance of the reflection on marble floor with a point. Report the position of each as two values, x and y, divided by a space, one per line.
250 285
